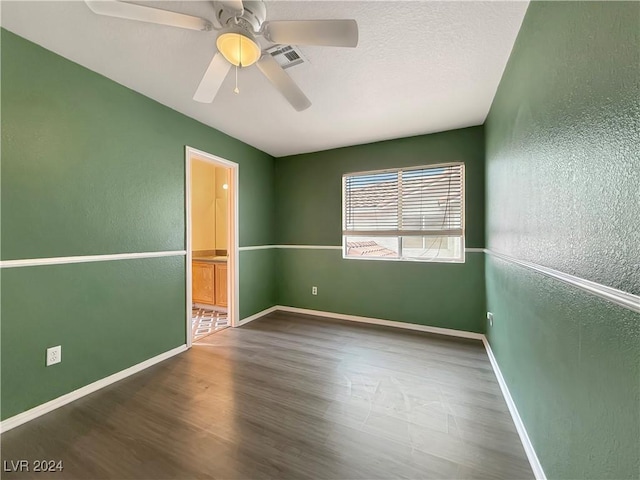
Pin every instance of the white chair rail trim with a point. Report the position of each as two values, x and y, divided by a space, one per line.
619 297
35 262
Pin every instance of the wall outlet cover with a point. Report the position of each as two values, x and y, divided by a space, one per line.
54 355
490 318
314 290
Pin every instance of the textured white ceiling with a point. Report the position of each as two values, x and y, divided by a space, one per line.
420 67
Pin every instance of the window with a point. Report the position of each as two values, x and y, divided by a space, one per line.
414 214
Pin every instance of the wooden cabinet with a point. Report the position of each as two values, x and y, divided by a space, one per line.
209 283
221 284
202 287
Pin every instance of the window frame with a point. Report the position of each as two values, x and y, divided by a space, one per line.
399 237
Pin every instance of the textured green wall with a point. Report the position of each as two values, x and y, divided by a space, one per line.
257 281
106 315
563 191
91 167
309 212
99 167
448 295
572 364
563 143
309 186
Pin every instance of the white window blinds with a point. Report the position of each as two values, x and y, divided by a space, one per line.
411 202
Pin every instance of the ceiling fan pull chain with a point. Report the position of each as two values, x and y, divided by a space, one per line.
236 90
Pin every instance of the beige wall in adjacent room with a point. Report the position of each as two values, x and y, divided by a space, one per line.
203 205
222 208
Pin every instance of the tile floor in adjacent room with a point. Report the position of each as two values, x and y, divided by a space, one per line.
205 321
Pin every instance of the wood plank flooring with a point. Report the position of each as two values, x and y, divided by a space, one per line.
290 397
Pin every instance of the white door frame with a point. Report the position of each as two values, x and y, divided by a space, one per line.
233 274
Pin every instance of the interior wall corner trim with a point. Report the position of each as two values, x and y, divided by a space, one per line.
536 466
35 262
51 405
387 323
619 297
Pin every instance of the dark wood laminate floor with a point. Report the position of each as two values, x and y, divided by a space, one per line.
288 397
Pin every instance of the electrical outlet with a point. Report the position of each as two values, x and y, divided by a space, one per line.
314 290
490 318
54 355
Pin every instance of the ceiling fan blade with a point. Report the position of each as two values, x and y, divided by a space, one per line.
115 8
330 33
212 79
283 83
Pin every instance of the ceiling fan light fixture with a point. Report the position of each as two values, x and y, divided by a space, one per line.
239 50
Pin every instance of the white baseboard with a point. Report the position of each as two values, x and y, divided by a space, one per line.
35 412
536 466
47 407
208 306
522 432
256 316
386 323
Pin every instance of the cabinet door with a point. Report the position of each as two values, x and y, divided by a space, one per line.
202 287
221 284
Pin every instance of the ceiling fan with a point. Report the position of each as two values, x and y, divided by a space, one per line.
239 23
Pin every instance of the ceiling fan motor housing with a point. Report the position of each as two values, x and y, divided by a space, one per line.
252 18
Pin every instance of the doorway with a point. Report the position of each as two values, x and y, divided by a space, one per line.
211 199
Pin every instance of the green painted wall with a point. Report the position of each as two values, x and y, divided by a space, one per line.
309 186
309 212
402 291
99 167
91 167
563 191
106 315
562 143
257 285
